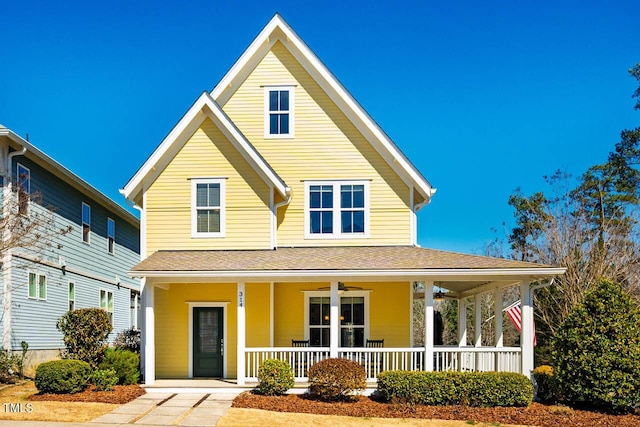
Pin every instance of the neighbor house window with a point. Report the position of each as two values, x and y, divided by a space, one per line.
337 209
111 235
23 188
278 112
354 318
106 302
72 296
86 222
134 312
37 286
207 201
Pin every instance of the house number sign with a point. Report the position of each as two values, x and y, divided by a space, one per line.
240 299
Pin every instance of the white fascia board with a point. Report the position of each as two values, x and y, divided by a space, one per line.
134 186
338 94
375 275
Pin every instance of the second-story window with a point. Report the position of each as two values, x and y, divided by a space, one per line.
111 235
278 112
207 207
338 209
86 222
23 188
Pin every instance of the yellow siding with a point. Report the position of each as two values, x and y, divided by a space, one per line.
172 325
326 146
289 311
257 314
208 154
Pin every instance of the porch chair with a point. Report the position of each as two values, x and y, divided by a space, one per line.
375 363
300 360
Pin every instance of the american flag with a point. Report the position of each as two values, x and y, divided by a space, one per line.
515 314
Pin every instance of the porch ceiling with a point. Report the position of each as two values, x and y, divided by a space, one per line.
455 271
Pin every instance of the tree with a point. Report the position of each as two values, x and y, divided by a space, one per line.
596 351
85 333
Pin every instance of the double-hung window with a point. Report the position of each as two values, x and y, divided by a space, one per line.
23 188
353 321
37 286
337 209
111 235
207 207
86 222
278 120
106 303
72 296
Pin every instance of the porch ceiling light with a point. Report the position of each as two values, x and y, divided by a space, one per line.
438 296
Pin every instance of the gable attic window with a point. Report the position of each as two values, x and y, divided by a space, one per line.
337 209
278 117
86 222
207 207
24 189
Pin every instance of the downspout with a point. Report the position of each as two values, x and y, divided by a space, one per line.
288 193
10 157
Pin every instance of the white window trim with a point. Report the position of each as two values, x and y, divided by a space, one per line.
82 223
113 299
18 166
291 134
327 294
194 210
114 236
136 314
46 282
74 294
337 229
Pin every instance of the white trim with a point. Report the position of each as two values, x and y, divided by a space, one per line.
462 323
195 208
291 112
429 319
477 317
148 353
498 298
82 223
278 29
241 338
336 210
38 275
208 304
69 284
113 303
113 252
526 329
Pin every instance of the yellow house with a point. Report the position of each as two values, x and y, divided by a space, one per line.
279 220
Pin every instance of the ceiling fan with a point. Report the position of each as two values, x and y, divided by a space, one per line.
341 288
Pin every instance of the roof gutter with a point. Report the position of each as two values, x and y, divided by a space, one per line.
10 157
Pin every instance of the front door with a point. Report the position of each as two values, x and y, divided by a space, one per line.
207 341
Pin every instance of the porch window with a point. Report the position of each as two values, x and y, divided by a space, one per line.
337 209
352 322
319 321
208 211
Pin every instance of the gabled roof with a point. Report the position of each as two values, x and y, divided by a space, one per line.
204 107
66 175
278 30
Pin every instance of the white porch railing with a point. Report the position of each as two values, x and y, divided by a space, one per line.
376 360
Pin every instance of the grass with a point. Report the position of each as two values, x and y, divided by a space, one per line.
15 405
236 417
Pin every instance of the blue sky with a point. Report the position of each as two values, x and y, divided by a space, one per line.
483 97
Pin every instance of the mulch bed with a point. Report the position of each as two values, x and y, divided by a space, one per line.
119 395
535 414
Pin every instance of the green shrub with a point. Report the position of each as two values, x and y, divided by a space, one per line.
85 334
455 388
128 339
62 376
104 379
9 366
336 379
275 377
544 379
596 351
125 363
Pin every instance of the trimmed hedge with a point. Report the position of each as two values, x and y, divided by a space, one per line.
456 388
275 377
62 376
336 379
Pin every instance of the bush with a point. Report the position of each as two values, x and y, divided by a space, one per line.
125 363
336 379
85 334
596 351
456 388
128 339
62 376
545 381
275 377
104 379
9 365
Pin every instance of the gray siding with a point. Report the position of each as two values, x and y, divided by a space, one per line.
90 266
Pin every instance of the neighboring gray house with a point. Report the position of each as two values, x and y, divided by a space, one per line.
86 267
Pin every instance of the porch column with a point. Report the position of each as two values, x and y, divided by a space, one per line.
477 317
462 323
428 326
334 321
526 329
497 311
241 334
148 333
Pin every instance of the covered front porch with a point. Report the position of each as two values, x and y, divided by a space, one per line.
332 312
